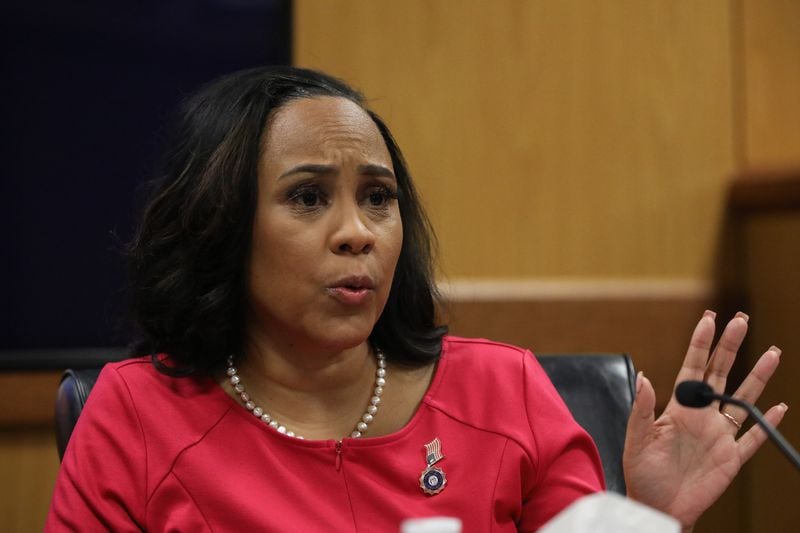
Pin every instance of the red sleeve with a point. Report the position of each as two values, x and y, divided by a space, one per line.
102 482
568 465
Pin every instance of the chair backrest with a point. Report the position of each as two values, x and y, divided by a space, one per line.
598 389
72 393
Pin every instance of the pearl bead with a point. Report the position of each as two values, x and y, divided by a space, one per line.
381 363
235 379
380 382
266 418
273 424
250 405
282 429
361 426
290 433
381 372
258 411
355 434
367 418
371 409
238 388
231 371
375 400
245 397
378 391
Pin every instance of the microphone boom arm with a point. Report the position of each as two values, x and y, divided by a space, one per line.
782 444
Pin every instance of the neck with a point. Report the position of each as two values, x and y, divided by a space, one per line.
306 369
314 392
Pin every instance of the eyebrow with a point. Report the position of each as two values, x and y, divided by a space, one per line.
369 170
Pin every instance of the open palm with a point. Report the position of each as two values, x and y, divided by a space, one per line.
683 461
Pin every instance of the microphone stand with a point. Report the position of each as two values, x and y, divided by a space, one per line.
782 444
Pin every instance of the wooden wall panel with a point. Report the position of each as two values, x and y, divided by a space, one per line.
549 138
28 454
771 72
770 117
29 464
28 398
772 244
652 327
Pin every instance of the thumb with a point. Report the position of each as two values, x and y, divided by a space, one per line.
642 414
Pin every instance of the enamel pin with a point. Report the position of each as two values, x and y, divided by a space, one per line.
433 480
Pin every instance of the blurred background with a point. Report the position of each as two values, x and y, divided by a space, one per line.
598 174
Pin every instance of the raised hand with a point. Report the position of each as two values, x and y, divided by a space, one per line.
683 461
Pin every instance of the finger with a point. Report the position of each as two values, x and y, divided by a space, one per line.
753 385
721 361
642 415
694 364
755 436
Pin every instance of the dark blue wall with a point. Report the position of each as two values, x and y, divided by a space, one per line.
86 89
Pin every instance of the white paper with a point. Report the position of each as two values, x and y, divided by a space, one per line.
607 512
436 524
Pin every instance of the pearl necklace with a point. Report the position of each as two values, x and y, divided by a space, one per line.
258 412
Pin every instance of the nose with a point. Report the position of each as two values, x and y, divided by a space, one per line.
352 233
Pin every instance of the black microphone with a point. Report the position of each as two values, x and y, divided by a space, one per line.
700 394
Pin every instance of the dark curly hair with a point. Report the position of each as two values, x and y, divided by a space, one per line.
187 261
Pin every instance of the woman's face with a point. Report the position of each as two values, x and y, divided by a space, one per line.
327 231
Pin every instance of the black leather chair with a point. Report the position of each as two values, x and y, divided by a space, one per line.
72 393
598 389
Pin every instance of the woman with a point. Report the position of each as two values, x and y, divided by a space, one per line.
283 269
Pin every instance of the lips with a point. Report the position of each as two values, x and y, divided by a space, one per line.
354 282
352 290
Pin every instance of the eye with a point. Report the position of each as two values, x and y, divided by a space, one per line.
307 197
381 196
377 198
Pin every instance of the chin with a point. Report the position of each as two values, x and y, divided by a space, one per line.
345 337
341 343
